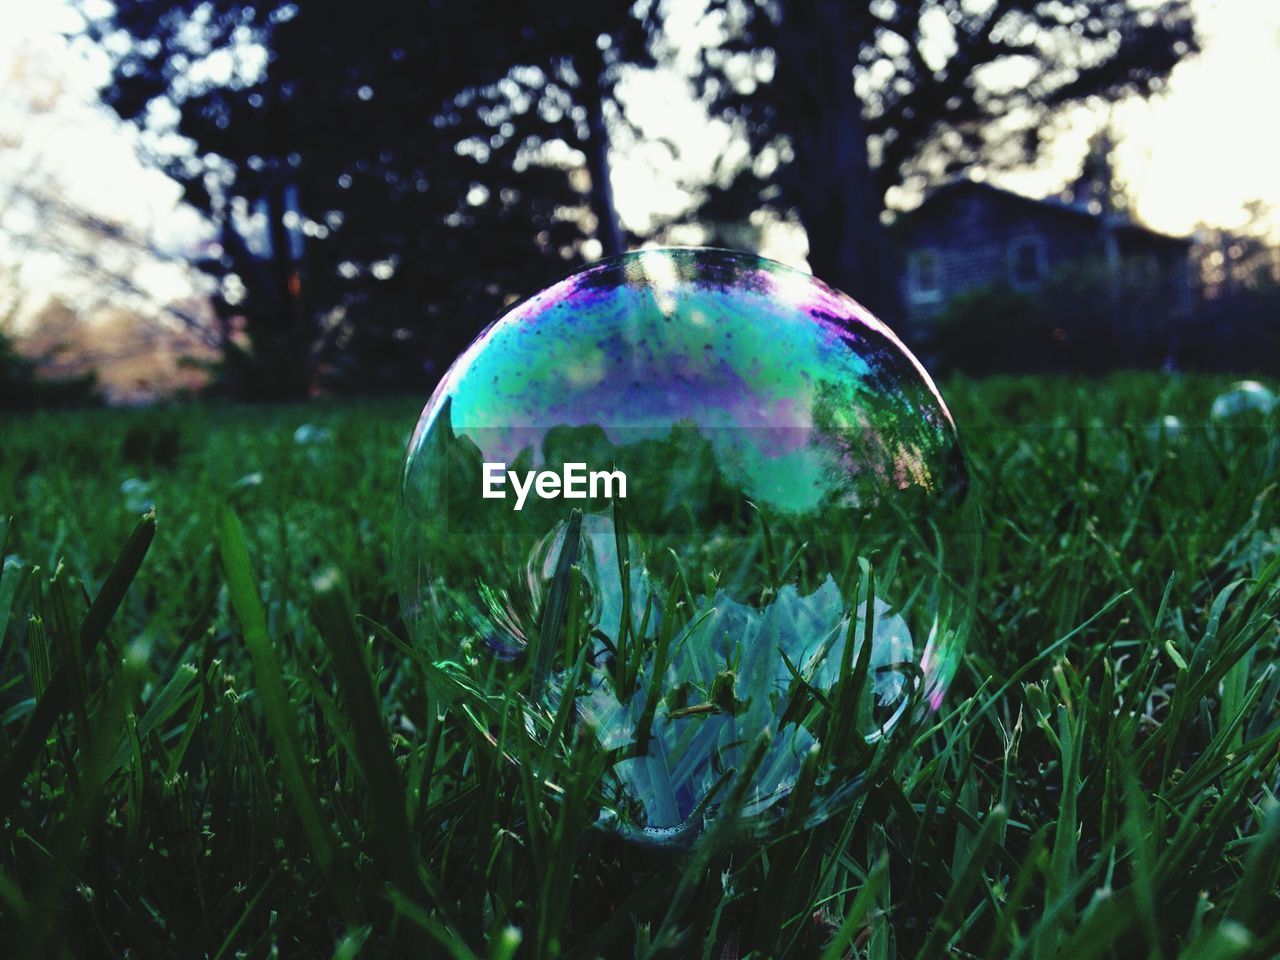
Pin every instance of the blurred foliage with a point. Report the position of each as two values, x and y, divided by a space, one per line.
1091 318
384 178
987 330
1246 259
1238 322
933 93
23 388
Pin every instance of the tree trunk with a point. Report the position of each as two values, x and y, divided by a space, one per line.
291 333
835 192
590 67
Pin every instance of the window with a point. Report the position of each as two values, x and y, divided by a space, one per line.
1026 261
924 280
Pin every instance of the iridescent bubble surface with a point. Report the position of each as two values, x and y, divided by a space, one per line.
784 583
1166 429
1244 398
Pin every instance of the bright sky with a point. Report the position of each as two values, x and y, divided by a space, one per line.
55 137
1209 144
1197 153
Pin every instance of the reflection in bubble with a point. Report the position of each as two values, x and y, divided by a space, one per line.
786 582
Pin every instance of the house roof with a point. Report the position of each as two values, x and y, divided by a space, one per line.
1050 205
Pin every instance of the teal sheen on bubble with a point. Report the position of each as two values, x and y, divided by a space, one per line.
704 515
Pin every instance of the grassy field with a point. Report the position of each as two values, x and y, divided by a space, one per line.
213 745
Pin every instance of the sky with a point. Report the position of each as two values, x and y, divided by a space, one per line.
1210 144
55 136
1197 153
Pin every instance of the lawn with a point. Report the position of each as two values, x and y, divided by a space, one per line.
217 740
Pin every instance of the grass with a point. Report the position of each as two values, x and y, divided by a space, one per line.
215 740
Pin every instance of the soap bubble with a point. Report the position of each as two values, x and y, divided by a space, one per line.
742 567
1165 429
1243 399
138 495
309 435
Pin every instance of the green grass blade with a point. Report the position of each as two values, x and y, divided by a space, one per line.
552 622
332 614
92 629
962 886
280 714
862 904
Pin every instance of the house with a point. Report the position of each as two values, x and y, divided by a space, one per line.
967 235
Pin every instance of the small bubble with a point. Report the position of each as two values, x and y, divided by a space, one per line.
1247 397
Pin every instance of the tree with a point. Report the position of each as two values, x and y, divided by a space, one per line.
1236 325
384 178
1097 186
100 262
23 385
841 101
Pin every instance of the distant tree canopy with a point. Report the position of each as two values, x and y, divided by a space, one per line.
841 101
23 388
1239 275
383 176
